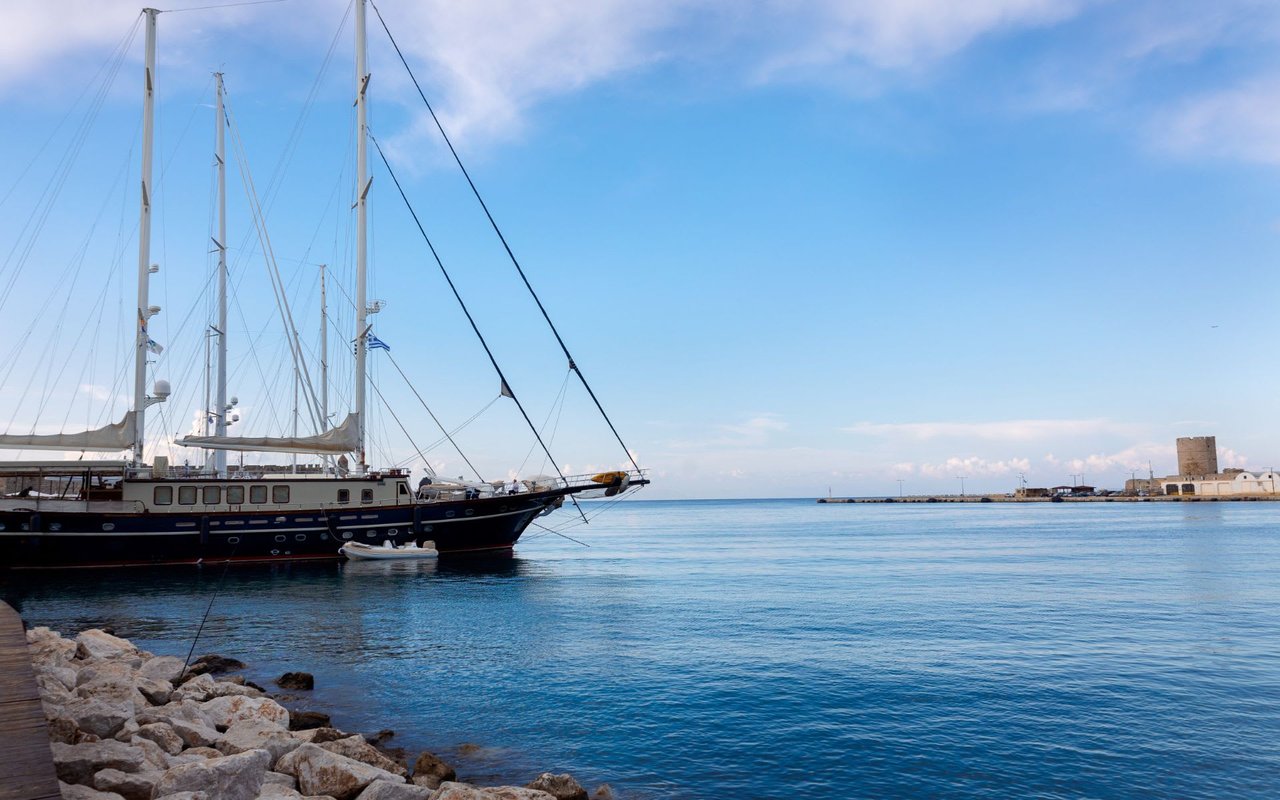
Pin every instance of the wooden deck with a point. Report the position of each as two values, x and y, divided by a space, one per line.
26 761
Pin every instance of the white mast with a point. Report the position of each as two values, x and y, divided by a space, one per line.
144 245
324 360
362 189
220 426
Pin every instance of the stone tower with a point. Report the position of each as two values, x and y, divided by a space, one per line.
1197 455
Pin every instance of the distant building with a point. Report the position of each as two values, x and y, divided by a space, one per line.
1198 475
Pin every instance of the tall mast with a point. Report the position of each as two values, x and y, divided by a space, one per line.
220 426
362 189
144 244
324 359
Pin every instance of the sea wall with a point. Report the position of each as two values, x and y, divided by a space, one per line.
126 724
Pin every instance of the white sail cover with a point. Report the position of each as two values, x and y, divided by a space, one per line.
342 439
117 436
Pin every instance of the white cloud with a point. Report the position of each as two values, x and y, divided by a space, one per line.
974 467
1020 430
1241 122
896 34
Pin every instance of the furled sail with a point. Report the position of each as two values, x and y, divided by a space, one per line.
117 436
343 439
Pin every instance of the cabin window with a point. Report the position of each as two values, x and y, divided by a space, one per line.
164 495
235 495
257 494
187 495
212 495
404 488
279 494
366 495
344 495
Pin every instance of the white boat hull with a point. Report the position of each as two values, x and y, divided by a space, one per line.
367 552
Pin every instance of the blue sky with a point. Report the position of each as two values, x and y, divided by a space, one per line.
793 245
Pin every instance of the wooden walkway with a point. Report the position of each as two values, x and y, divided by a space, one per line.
26 760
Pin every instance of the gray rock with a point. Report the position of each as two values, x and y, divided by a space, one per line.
161 668
213 663
71 791
65 676
53 690
319 735
130 785
279 778
194 734
385 790
306 720
225 711
113 689
156 757
450 790
185 796
237 777
304 681
356 747
430 770
49 649
321 772
163 734
176 709
127 730
561 787
156 692
98 717
77 763
95 643
201 752
62 729
257 734
199 689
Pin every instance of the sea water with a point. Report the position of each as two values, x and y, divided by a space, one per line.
779 648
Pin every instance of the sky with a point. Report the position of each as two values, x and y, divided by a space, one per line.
796 248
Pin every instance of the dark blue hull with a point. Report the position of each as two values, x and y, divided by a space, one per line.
34 539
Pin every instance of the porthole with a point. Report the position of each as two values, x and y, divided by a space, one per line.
502 508
371 534
280 519
451 513
470 512
428 528
55 526
275 552
233 540
393 531
26 527
346 534
280 538
301 537
2 526
324 537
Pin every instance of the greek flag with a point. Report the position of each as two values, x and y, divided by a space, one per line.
374 343
154 346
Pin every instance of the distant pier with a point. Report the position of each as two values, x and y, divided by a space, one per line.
1004 498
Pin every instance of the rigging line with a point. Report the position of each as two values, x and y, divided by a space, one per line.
464 424
223 5
572 364
277 283
414 389
561 535
474 327
122 47
558 401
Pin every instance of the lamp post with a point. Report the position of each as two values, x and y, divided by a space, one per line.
900 487
961 479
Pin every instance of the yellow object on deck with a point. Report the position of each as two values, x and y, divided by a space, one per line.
609 477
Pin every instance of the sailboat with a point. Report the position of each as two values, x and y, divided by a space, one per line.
128 512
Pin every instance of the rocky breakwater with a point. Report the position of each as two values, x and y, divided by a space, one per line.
129 725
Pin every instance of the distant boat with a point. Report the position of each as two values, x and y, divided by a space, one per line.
128 512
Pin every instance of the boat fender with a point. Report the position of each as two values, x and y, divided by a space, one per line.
608 477
34 522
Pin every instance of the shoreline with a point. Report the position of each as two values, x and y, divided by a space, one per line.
129 725
1000 498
